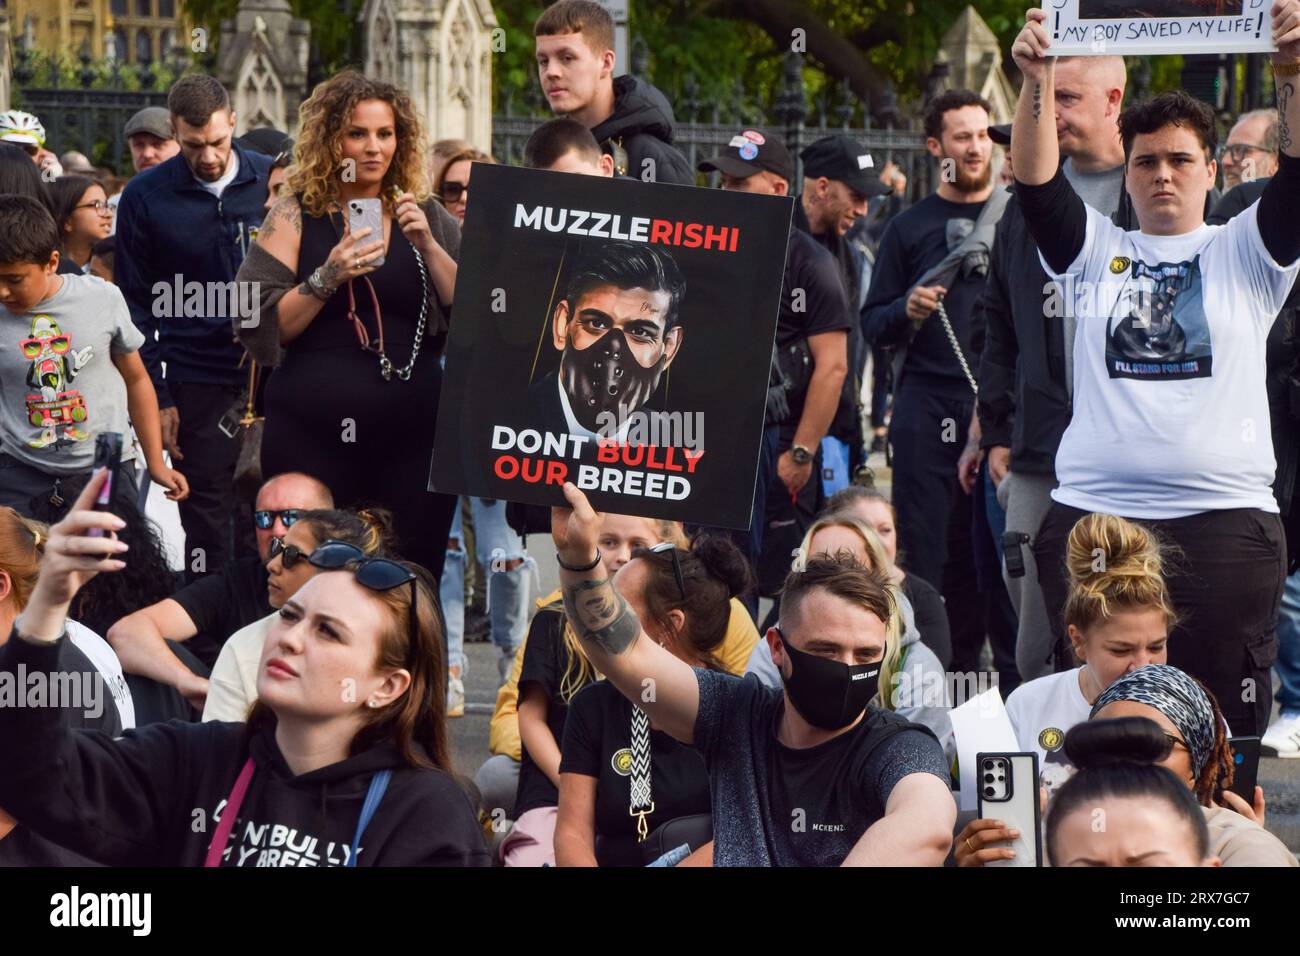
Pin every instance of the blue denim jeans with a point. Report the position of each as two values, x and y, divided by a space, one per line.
507 590
1287 664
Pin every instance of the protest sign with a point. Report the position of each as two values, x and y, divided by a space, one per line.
613 333
1125 28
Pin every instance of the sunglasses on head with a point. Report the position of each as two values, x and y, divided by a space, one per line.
264 519
677 564
377 574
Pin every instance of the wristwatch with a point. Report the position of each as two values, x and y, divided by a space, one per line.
801 455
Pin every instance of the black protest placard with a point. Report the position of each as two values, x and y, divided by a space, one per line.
612 333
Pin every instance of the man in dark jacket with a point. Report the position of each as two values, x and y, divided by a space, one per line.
630 119
183 231
1025 370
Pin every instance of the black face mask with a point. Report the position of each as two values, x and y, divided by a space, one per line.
828 694
605 377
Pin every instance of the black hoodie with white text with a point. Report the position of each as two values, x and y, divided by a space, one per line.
155 796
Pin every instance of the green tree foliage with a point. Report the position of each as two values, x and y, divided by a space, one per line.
332 28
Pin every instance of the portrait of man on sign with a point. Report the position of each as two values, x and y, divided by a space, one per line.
618 329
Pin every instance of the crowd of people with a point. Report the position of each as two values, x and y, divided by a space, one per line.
1084 377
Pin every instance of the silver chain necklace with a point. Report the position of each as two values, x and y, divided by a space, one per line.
385 364
956 346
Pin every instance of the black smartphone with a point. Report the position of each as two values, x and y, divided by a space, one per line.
108 452
1011 551
1245 766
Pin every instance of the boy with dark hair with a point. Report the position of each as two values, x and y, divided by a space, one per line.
630 119
566 146
69 368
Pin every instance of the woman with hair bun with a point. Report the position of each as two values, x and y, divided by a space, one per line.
1198 754
1118 616
1152 819
232 686
353 322
620 777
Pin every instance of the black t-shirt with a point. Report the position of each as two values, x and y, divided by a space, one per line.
915 242
598 743
220 604
545 660
931 616
813 301
780 806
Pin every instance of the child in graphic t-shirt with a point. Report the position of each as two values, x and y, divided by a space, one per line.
69 368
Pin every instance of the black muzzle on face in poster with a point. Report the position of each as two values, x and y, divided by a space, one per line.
606 379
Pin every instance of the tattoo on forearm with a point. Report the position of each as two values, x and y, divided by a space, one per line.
1038 100
1284 94
329 275
598 613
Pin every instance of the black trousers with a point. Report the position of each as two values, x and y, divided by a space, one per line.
1226 585
928 432
208 514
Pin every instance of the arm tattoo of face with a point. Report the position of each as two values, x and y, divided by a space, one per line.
1038 100
599 614
1284 94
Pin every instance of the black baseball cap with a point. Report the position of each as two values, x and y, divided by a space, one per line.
751 151
1001 134
266 140
844 158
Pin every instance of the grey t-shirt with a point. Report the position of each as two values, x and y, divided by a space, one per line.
59 387
1101 191
777 806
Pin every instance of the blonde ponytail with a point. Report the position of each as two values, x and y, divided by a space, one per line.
1114 566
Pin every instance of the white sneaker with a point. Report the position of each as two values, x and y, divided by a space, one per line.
1283 736
455 697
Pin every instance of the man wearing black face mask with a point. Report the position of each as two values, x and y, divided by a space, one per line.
617 329
815 775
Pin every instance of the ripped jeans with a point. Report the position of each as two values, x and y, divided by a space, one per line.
496 545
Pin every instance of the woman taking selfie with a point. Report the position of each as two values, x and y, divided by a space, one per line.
347 747
351 319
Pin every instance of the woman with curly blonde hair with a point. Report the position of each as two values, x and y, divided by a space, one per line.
354 322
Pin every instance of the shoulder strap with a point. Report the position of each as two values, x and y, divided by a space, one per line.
378 784
233 803
642 803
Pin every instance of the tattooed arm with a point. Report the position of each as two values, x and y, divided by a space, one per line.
646 674
281 236
1034 153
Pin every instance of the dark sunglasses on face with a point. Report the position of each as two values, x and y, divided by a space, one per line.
289 554
1170 743
264 519
453 191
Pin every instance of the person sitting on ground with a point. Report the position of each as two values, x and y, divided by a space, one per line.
931 615
868 787
621 777
205 613
1198 753
1118 616
498 779
1151 818
912 681
132 801
294 561
83 217
232 686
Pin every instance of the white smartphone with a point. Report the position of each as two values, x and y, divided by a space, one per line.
1007 785
367 214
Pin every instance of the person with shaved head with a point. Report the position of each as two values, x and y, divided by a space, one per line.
1026 369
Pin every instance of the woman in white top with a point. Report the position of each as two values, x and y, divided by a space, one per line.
232 688
1118 616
